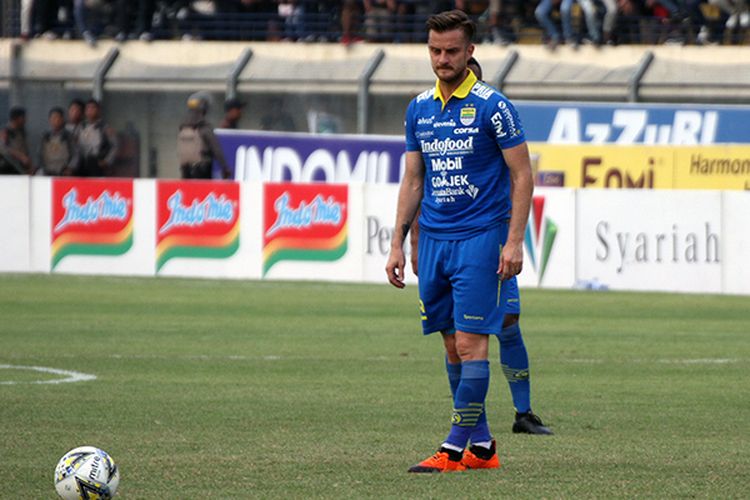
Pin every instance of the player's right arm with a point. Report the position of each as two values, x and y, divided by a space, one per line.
409 198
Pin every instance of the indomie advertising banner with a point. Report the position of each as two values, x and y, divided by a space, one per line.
91 217
304 222
297 157
196 220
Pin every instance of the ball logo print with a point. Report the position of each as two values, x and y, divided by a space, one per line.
540 237
86 473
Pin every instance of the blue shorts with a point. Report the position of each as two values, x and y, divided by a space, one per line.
459 286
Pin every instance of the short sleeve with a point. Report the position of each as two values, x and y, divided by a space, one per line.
409 122
505 123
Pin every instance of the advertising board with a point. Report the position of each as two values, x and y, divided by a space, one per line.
198 228
644 240
296 157
306 232
628 124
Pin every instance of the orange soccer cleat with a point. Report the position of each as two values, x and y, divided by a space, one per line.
474 458
442 461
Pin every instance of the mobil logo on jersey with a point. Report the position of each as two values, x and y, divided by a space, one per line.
197 220
541 232
304 222
91 217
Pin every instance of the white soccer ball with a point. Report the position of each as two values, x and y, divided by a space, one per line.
86 473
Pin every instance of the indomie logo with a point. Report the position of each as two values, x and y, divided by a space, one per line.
318 211
210 209
105 207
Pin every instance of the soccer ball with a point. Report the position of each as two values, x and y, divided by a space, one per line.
86 473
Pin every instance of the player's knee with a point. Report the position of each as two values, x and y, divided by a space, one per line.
449 341
471 347
510 334
510 320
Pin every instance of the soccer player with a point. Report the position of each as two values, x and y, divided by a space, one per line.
465 148
514 358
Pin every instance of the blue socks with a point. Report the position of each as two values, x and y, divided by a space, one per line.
469 392
515 362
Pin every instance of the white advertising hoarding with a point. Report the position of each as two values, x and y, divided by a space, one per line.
549 243
377 230
650 240
15 225
736 251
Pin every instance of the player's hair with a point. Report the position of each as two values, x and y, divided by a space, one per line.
56 110
452 20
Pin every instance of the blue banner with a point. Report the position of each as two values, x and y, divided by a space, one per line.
296 157
653 124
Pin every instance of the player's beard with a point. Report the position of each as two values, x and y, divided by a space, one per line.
455 77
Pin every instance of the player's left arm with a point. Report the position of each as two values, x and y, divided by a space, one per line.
521 189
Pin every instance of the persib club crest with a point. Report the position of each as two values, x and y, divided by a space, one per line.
468 114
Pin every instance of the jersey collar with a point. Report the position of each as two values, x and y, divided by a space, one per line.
460 93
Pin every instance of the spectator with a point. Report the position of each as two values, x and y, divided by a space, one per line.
501 13
86 16
97 143
379 18
232 113
609 21
259 17
350 10
197 146
737 10
75 118
27 7
291 15
544 9
58 153
14 150
143 19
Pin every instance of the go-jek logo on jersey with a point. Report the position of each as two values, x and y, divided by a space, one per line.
197 220
91 217
304 222
448 146
540 237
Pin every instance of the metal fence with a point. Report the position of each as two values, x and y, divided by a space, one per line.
324 21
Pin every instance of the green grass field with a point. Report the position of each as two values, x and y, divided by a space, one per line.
231 389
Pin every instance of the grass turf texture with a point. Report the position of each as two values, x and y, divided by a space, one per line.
230 389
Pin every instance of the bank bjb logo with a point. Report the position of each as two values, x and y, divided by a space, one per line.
539 239
304 222
91 217
468 114
197 220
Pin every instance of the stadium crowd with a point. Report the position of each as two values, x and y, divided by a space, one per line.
400 21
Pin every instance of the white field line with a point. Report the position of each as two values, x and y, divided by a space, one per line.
68 375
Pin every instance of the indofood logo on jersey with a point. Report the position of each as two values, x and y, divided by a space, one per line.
448 146
91 217
198 220
541 232
304 222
